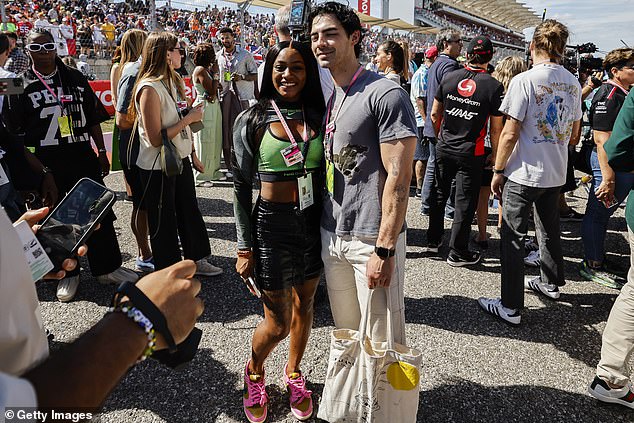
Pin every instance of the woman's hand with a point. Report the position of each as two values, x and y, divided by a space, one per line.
194 115
197 164
48 190
245 264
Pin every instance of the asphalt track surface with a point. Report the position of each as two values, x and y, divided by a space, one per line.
475 368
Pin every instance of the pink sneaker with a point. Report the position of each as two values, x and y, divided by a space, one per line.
254 400
301 400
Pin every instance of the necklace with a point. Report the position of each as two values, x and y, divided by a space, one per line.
50 76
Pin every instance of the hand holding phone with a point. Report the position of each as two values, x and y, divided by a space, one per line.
253 287
72 222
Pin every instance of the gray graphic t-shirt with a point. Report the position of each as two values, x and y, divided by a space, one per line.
375 111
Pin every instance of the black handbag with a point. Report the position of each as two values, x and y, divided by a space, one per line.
171 162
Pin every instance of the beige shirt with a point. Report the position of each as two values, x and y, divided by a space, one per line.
22 339
148 154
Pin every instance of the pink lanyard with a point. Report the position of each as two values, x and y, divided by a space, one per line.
291 138
626 92
332 98
39 76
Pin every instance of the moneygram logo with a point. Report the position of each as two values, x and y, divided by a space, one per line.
466 87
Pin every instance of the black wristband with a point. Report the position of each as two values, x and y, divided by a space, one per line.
147 307
498 171
384 252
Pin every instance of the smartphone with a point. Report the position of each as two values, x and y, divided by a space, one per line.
253 287
296 18
14 86
74 219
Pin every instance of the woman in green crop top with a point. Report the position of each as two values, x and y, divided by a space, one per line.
278 239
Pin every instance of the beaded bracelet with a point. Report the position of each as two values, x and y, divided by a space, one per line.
145 324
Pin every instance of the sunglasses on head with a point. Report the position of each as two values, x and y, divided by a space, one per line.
34 48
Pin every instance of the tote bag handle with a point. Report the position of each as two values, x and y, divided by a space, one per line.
365 316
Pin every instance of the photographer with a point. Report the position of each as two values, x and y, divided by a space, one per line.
609 188
30 378
159 104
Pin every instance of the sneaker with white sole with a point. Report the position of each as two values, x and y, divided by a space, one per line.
204 268
145 266
458 260
533 259
530 244
535 283
118 276
494 307
600 389
67 288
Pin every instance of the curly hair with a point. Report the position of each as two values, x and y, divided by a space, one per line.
204 55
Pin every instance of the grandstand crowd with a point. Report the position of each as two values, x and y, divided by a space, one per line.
333 163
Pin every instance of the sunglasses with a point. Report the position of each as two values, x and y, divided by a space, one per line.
34 48
455 41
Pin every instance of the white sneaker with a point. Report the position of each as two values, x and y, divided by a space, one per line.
494 307
599 389
204 268
532 259
67 288
547 289
118 276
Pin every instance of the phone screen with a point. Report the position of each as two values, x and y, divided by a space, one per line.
296 13
74 219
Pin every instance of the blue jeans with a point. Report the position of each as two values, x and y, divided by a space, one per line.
428 182
595 222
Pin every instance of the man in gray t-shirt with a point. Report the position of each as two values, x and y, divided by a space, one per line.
369 143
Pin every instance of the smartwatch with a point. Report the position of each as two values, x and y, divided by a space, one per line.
498 171
384 252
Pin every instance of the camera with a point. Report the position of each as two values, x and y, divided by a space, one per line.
574 61
298 18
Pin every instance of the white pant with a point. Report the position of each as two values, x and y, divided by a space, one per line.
618 336
345 261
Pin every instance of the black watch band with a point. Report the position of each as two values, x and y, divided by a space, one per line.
384 252
498 171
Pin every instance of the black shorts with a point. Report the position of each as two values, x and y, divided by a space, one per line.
286 244
487 174
133 178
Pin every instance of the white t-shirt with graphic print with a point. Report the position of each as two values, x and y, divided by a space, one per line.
547 100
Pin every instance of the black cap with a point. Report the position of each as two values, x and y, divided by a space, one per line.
480 45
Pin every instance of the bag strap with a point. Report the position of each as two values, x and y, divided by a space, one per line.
365 316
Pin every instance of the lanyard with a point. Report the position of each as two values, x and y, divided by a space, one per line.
291 138
228 60
476 70
39 76
330 126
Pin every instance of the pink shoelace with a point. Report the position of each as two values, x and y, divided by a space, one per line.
257 393
298 389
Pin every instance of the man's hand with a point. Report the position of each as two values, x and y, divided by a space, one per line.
48 190
32 217
379 271
173 291
605 191
497 185
104 163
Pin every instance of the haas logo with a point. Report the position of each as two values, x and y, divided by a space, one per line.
466 87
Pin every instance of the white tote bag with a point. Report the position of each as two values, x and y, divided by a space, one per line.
370 381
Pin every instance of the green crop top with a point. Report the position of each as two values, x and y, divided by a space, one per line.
270 163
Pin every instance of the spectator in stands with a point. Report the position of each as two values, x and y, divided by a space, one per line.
108 30
391 61
84 35
238 72
449 45
418 96
465 101
69 36
98 39
60 130
612 381
543 108
17 62
608 188
208 141
170 201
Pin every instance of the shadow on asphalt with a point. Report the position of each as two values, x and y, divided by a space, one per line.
566 324
465 401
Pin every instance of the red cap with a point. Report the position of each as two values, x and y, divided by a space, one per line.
431 52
